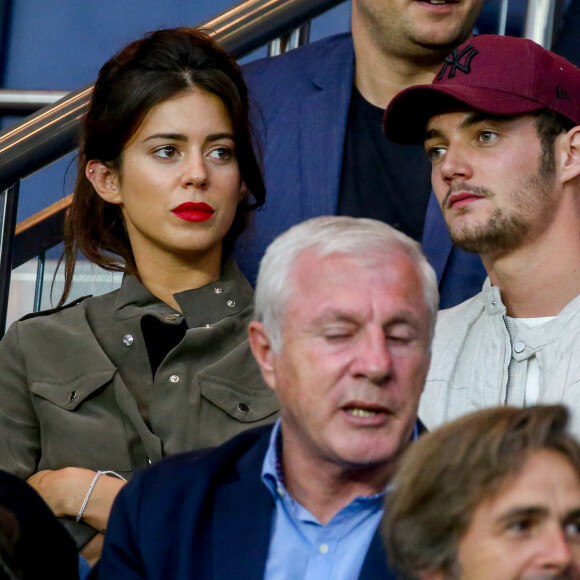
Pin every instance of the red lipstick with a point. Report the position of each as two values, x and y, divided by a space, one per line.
193 212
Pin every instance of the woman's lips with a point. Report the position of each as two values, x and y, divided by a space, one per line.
193 212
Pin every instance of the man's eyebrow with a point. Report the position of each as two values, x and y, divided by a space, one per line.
478 117
334 315
522 512
572 515
471 119
432 134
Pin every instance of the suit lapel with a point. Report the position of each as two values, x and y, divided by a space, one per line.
436 242
242 520
323 123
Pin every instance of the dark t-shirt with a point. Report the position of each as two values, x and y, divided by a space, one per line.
381 179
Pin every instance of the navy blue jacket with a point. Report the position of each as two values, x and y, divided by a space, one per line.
201 515
301 108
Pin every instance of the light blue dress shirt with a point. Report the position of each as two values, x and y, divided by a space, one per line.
301 548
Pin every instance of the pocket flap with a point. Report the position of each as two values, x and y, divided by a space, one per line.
245 405
71 394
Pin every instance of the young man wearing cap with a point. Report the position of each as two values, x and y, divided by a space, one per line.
500 125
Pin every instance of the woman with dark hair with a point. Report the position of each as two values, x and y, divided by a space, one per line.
166 178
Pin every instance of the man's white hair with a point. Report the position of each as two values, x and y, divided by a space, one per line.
365 238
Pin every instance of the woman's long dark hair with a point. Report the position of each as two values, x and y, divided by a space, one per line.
144 74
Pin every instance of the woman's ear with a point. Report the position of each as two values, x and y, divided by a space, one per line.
243 192
571 165
105 181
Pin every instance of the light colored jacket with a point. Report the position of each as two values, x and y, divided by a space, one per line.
476 362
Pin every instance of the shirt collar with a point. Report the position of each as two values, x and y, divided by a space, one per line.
207 305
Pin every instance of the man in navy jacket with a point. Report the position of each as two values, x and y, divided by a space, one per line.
319 109
345 310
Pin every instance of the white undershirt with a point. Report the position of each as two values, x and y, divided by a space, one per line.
533 371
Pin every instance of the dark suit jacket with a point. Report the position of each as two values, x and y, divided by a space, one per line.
201 515
302 101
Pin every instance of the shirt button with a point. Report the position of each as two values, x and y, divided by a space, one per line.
217 290
128 340
174 316
207 326
72 396
323 548
519 346
231 303
280 492
243 408
174 378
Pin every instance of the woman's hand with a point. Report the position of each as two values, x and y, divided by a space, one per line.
64 490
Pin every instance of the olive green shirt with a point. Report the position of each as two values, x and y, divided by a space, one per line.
77 389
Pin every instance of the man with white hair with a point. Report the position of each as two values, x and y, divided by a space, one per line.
345 310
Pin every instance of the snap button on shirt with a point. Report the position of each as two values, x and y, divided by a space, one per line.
519 346
174 316
128 340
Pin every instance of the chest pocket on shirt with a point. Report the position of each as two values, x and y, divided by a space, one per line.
81 424
228 409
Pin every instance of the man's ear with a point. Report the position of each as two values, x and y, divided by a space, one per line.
263 353
571 146
105 181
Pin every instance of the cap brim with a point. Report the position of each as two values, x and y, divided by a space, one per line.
407 115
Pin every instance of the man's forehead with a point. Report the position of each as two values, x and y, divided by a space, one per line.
343 283
465 117
346 268
546 474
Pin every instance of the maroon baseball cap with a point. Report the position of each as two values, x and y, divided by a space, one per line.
500 75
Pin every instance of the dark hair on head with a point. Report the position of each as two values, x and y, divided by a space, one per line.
446 474
146 73
549 125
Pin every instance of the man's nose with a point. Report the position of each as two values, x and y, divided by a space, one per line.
455 165
556 556
372 359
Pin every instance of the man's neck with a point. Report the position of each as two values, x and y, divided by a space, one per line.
326 489
379 75
538 279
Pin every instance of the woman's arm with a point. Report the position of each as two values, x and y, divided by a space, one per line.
19 427
65 490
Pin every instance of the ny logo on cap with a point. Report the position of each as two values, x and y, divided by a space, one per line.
562 94
453 61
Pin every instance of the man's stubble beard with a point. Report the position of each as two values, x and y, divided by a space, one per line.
506 230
